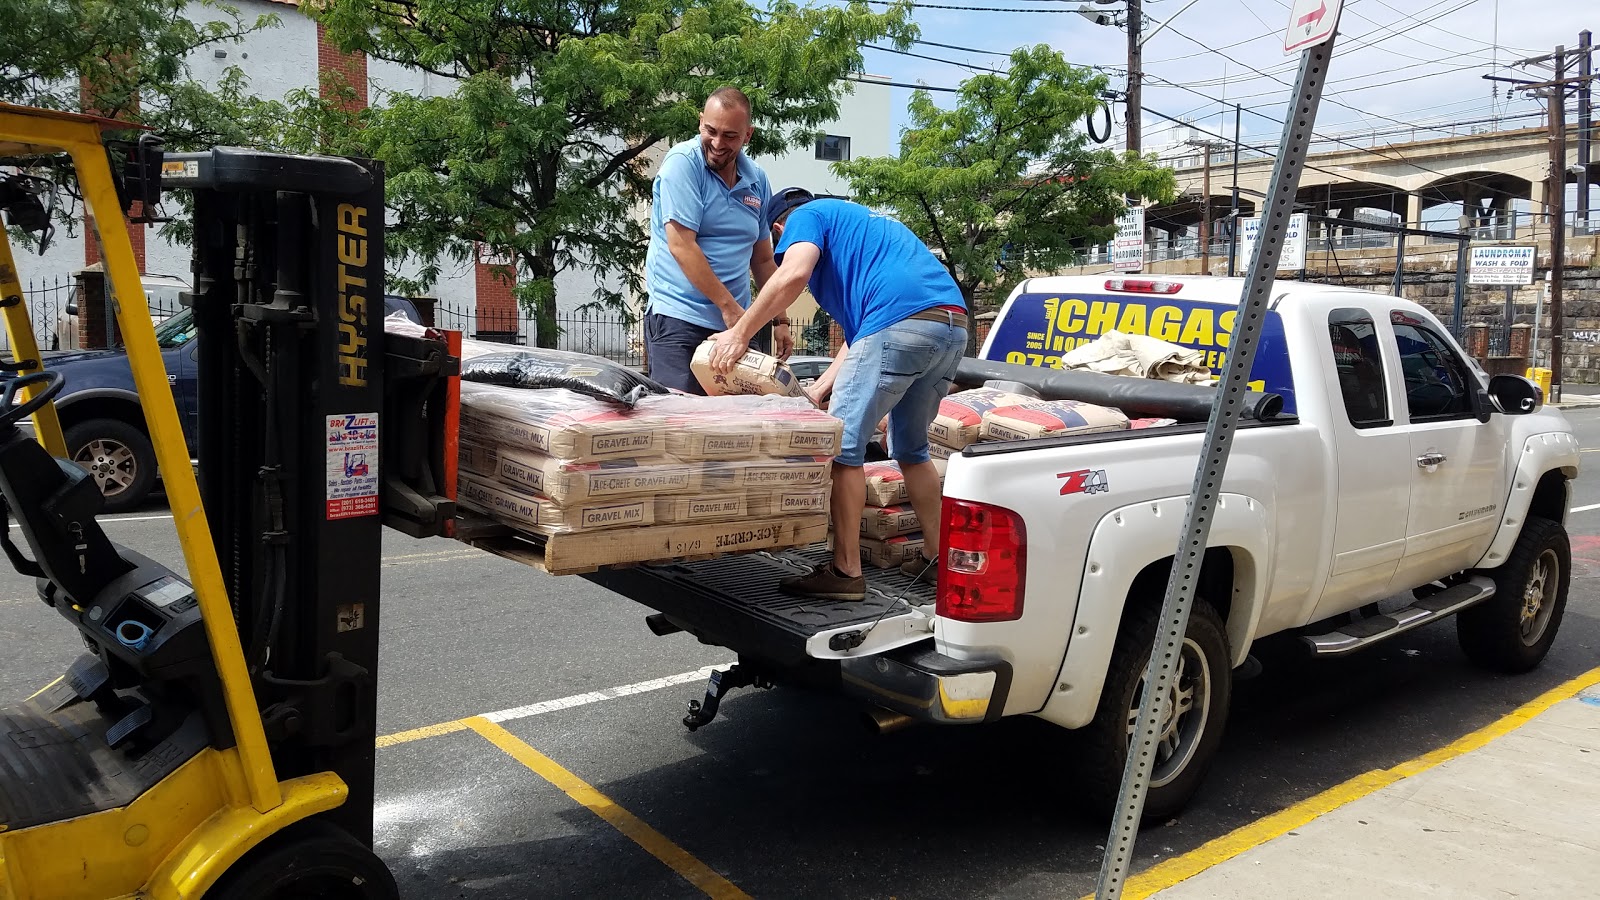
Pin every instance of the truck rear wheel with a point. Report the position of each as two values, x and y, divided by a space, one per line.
1513 630
1192 730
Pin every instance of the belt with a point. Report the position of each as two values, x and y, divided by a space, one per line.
935 314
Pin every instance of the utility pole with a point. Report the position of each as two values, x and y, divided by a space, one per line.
1135 76
1233 232
1554 92
1556 193
1205 215
1207 147
1585 124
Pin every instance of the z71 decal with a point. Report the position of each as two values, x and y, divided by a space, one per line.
1084 481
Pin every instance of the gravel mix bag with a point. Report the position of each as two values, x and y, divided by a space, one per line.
798 501
882 523
1037 418
566 482
960 418
543 515
754 373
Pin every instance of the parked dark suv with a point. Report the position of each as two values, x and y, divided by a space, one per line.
100 413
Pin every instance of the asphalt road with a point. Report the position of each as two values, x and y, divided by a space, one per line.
786 794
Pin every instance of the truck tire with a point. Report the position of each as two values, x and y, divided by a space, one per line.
118 457
1513 630
1190 740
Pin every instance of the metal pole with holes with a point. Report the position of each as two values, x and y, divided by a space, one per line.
1231 390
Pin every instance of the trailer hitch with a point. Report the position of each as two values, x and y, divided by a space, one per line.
736 676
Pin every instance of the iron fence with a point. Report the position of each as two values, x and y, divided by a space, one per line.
610 334
47 301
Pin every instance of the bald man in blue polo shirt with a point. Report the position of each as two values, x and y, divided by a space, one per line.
708 236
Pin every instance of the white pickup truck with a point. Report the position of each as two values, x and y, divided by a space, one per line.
1396 466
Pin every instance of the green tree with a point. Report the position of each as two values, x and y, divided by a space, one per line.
1007 182
131 58
539 147
128 60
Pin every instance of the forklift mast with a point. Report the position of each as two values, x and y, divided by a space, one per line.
219 731
293 439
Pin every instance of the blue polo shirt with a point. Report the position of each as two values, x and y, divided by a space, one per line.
727 221
873 271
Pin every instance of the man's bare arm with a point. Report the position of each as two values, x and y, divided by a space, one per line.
685 246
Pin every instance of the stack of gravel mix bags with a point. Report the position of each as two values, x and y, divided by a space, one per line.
669 478
592 465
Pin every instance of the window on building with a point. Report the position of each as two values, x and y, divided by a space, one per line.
1438 385
1359 364
833 148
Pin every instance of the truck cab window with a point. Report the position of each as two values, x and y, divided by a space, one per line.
1359 365
1438 385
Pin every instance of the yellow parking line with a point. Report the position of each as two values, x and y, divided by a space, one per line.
46 687
654 842
417 734
1164 875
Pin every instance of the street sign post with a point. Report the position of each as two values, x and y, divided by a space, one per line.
1127 248
1310 23
1501 265
1294 242
1188 562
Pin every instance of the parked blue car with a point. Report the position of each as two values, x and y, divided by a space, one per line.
100 412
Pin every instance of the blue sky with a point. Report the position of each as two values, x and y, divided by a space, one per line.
1397 62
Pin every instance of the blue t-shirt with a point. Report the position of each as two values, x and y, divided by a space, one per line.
873 271
728 223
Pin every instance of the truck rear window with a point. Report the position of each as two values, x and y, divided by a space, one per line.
1038 328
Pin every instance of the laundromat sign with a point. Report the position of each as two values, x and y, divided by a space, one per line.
1039 328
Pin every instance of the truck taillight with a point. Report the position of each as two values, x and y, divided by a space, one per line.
985 562
1143 286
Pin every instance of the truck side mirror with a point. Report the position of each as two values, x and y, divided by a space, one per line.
1515 395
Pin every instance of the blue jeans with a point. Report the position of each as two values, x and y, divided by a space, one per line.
902 371
670 344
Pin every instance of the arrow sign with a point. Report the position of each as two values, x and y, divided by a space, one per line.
1310 23
1313 17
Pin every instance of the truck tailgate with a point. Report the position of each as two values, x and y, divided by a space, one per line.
734 601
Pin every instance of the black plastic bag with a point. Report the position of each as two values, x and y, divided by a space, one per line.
538 368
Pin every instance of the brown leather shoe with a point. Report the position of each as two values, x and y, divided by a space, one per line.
921 569
826 583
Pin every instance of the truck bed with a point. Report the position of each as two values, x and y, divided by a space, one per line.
734 601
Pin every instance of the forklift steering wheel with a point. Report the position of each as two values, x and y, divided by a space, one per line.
11 414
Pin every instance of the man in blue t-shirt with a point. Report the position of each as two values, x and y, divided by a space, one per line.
905 328
708 235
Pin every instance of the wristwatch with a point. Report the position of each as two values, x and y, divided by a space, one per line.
776 322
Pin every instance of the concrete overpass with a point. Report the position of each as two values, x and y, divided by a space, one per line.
1486 173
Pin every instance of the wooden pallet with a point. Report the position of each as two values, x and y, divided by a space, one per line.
577 553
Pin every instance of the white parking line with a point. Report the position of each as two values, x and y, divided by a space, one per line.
1585 508
121 519
535 709
642 687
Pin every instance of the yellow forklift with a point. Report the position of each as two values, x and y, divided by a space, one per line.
216 737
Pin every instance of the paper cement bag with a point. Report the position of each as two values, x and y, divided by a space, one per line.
754 373
567 482
887 522
960 418
1037 418
517 508
791 502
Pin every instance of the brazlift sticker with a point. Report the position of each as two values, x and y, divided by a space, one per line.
352 465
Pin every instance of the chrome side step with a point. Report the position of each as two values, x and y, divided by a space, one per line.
1373 629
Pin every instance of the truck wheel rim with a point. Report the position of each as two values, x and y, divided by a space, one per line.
1184 724
111 463
1538 598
